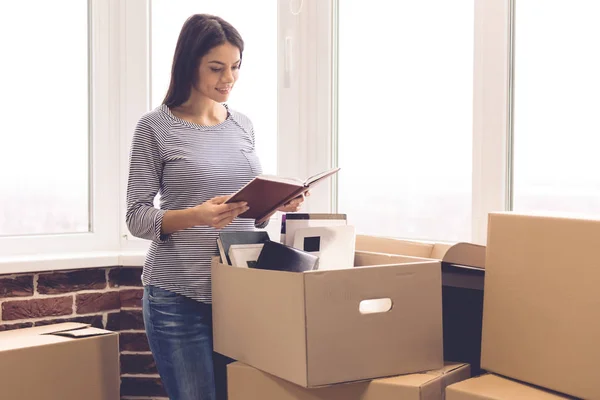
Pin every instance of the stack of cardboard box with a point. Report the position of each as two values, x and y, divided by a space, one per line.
303 336
541 316
373 332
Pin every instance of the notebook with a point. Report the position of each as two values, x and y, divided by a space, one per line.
279 257
266 193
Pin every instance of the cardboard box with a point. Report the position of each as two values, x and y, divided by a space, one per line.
59 362
461 253
247 383
493 387
541 319
308 327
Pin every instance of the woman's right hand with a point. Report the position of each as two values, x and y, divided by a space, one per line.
215 213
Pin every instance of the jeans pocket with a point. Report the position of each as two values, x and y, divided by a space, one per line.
162 296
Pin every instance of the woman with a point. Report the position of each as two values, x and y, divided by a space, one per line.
196 152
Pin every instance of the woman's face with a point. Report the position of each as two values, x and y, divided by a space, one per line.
218 72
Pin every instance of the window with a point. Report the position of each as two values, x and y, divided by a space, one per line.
405 116
45 163
556 133
255 93
84 76
60 137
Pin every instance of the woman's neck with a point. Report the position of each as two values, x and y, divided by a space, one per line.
201 110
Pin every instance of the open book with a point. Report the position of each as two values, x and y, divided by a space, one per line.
266 193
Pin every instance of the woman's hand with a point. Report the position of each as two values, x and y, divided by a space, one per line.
216 214
295 204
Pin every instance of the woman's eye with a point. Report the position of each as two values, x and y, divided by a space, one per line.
215 69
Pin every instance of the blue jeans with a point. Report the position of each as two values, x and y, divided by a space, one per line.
179 332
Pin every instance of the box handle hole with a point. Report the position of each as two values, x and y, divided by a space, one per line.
375 306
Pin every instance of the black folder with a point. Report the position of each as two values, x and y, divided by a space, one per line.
279 257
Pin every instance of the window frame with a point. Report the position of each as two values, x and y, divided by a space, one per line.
491 113
305 140
135 86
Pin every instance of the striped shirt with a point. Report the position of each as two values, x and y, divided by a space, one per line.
187 164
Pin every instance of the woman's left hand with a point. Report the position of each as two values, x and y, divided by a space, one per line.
295 204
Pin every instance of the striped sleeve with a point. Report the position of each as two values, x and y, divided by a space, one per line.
145 170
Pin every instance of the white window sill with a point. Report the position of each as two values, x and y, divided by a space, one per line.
133 254
56 262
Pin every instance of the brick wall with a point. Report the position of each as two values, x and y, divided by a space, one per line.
108 298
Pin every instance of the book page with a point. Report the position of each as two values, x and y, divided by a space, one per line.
320 176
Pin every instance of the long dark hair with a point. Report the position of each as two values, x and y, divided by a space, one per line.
200 33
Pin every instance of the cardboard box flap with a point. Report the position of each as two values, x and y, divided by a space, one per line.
468 254
47 334
462 253
83 332
373 259
494 387
63 327
393 246
417 380
448 368
25 341
42 330
456 371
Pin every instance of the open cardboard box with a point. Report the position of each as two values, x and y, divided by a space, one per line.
316 328
68 361
247 383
